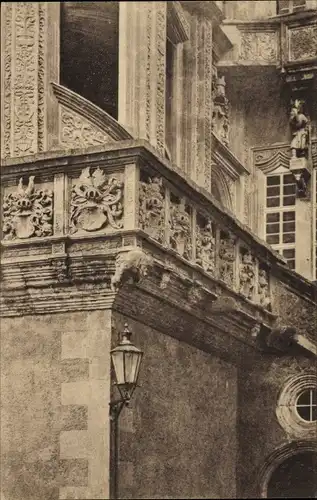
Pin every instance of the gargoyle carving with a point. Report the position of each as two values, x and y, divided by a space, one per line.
131 267
28 212
96 201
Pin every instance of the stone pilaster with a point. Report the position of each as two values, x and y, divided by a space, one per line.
142 46
30 60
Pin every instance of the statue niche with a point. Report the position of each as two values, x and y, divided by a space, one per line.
299 126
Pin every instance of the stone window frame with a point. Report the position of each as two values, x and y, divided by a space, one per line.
286 411
280 247
291 7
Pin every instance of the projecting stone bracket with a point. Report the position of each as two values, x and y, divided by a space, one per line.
284 339
131 267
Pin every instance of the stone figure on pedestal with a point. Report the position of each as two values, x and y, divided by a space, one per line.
299 126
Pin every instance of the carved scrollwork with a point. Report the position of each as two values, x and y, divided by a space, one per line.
152 208
303 42
206 247
28 212
246 275
96 201
227 259
77 132
180 230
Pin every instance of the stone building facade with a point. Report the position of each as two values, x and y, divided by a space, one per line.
159 168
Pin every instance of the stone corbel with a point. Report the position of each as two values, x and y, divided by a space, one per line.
301 171
131 267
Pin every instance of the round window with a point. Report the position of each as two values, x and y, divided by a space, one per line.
306 405
297 406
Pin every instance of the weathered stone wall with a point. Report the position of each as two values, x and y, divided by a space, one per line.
259 432
55 393
178 439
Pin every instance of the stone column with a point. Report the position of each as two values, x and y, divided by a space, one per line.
142 47
30 61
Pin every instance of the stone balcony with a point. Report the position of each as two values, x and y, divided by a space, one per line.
117 226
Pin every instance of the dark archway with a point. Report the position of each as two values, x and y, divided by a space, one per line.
296 477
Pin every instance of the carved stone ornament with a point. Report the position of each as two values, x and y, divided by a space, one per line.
152 208
299 126
220 115
96 201
28 212
303 42
263 289
206 247
77 132
227 260
258 46
246 275
130 268
180 230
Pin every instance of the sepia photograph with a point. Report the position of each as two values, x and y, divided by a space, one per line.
158 301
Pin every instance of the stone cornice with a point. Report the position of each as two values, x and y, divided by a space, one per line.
207 9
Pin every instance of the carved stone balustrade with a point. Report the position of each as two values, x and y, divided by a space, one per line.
80 228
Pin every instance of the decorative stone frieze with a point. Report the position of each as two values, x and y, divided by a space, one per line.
180 229
269 158
205 245
259 46
227 258
246 274
27 45
303 42
96 201
27 212
152 208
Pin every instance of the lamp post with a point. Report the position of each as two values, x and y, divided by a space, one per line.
126 360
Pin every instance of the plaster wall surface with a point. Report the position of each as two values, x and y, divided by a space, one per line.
178 439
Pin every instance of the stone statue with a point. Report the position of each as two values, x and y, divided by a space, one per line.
299 126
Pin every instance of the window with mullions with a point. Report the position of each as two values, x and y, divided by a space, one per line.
287 6
280 215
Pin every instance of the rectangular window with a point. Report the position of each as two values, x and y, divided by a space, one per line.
280 215
288 6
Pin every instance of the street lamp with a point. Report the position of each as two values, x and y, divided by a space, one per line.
126 360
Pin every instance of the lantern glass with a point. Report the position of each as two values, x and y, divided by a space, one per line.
126 359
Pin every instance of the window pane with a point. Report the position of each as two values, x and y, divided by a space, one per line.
289 227
273 217
273 239
304 398
288 179
273 180
288 200
314 397
289 253
291 263
314 413
273 202
289 238
289 189
288 216
273 191
273 228
304 412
